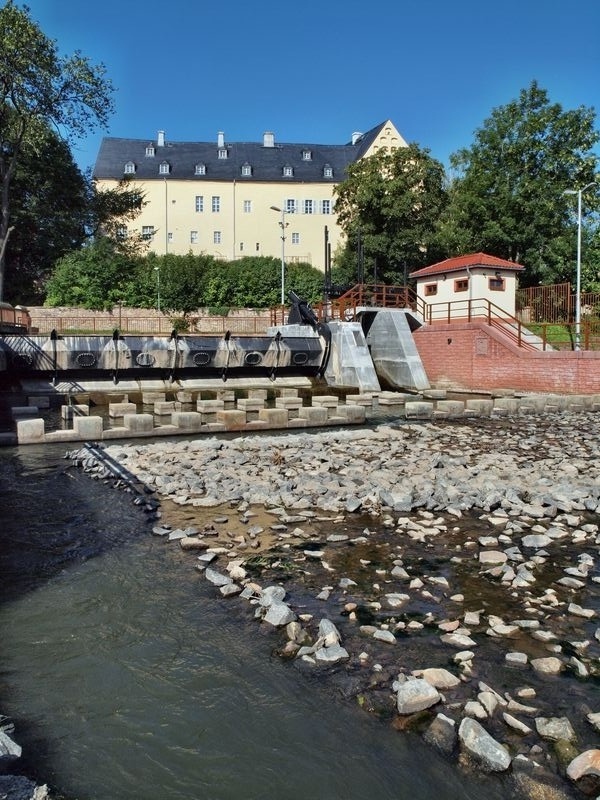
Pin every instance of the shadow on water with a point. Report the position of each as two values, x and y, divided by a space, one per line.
128 678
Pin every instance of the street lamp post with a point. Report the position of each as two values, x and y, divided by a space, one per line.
283 225
578 192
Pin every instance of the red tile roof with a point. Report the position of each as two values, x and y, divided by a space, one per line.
472 260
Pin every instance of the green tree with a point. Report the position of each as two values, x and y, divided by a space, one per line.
389 205
49 216
39 89
507 198
98 276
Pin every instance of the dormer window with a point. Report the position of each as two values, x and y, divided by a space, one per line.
288 172
150 151
129 168
200 169
327 171
222 152
246 170
306 155
164 168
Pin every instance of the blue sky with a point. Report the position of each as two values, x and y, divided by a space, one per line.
314 72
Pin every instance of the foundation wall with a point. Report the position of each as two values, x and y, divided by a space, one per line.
473 356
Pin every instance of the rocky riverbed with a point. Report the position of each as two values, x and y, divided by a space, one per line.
444 576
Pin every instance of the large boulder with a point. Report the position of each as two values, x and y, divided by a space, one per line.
482 747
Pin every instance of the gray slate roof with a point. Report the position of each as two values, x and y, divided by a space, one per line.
267 163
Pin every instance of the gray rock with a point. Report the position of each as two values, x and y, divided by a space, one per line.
331 654
555 728
478 743
442 734
279 614
8 748
416 695
216 578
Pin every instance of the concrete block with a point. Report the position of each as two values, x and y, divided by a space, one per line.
250 403
226 395
184 396
62 436
149 398
288 402
257 425
274 417
30 431
74 410
214 427
288 391
120 409
233 420
393 398
209 406
480 407
506 405
354 415
297 422
312 415
418 409
452 408
579 401
256 394
361 399
88 427
325 401
187 420
138 422
164 407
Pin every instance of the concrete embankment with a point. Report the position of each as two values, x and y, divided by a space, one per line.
442 574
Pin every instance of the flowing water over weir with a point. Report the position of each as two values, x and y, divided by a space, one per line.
127 679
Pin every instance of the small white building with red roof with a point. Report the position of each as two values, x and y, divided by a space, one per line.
475 277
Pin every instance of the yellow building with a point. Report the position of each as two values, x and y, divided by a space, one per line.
234 199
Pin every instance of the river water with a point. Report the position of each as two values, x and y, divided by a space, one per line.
128 679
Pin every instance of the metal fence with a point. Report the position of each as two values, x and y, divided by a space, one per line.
555 304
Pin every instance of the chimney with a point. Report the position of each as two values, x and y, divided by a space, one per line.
356 136
268 139
160 139
220 139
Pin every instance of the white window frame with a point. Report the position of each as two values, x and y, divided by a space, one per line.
164 168
150 151
295 238
200 169
216 237
327 171
193 237
288 172
148 232
291 206
129 168
308 206
199 203
246 170
222 153
325 206
247 206
215 204
306 155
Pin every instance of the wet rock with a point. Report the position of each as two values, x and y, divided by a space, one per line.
331 654
584 771
442 734
482 747
458 640
439 678
416 695
547 666
8 748
279 614
216 578
555 728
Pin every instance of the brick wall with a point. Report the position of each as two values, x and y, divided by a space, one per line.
474 356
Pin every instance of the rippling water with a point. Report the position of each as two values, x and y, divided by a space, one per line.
128 679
